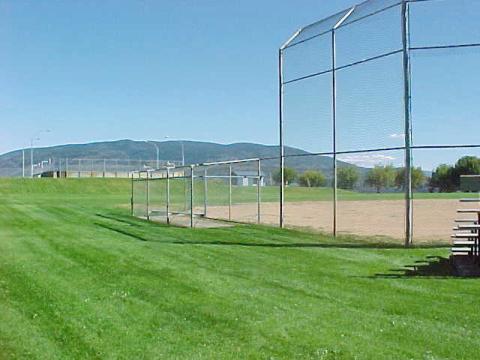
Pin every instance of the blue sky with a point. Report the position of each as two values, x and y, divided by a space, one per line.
206 70
103 70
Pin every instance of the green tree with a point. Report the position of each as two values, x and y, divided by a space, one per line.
312 178
418 178
467 165
442 178
447 178
347 177
381 177
289 176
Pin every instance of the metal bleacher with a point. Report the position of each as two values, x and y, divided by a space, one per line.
467 232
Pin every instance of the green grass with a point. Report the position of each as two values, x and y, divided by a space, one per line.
218 193
79 278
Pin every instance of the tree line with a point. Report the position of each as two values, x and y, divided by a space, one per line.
445 178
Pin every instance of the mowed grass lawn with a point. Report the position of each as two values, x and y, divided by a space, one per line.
218 193
80 278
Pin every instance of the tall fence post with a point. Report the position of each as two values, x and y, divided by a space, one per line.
168 196
408 125
282 149
191 195
334 118
230 192
131 199
185 190
205 190
334 130
259 185
148 197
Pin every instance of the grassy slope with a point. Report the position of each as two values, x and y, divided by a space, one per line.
79 278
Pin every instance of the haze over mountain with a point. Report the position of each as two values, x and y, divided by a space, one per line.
195 152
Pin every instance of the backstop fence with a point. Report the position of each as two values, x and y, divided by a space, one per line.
390 85
372 101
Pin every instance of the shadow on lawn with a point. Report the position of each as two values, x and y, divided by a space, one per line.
245 243
432 266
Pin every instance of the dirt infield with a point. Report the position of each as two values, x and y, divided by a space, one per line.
433 219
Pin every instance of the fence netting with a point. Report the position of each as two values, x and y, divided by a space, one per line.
378 123
384 92
236 191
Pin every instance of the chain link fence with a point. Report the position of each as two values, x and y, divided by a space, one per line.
381 94
83 167
378 121
201 195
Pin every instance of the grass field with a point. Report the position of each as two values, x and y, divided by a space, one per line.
80 278
218 193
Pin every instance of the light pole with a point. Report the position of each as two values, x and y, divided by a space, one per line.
32 139
183 153
31 155
23 163
183 150
158 152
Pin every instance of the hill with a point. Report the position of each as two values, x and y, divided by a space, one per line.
195 152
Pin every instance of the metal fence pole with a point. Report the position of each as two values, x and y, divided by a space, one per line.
131 200
148 197
31 159
168 196
334 130
282 149
191 195
334 119
230 192
408 125
205 190
259 185
185 189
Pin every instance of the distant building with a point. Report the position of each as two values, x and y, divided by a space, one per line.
248 178
470 183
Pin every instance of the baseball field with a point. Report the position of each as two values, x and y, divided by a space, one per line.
81 278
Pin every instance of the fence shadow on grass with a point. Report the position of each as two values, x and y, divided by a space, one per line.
141 230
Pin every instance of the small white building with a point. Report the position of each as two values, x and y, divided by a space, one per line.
248 178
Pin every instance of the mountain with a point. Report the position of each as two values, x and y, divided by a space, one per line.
195 152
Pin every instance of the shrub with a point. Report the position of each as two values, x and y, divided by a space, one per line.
312 178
